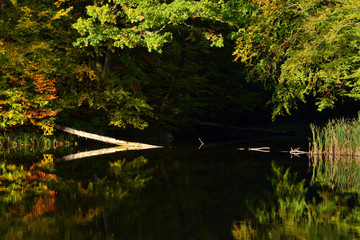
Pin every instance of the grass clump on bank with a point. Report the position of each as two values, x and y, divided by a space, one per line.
340 137
335 154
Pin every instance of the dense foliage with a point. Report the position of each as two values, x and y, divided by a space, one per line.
124 63
303 48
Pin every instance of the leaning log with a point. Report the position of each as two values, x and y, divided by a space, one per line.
103 138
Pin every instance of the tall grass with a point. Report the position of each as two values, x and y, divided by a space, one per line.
340 137
335 154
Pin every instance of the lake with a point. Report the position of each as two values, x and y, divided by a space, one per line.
176 192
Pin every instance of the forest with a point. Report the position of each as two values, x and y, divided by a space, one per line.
131 64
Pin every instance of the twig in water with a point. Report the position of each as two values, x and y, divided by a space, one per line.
202 143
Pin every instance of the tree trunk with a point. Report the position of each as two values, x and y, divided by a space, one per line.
108 57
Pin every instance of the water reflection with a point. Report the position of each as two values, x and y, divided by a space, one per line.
33 208
174 193
291 211
177 193
340 172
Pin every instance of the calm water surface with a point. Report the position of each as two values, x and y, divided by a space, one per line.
182 192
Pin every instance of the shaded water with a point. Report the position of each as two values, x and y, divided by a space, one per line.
179 192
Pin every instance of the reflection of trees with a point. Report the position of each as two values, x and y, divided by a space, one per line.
18 181
77 209
288 214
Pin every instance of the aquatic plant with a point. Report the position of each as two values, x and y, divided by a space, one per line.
338 137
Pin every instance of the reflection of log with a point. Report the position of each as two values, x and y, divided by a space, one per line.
297 152
102 138
260 149
101 152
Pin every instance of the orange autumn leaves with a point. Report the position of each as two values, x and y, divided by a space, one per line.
26 91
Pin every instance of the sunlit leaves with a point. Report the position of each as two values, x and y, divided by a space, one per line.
61 13
26 93
142 23
305 48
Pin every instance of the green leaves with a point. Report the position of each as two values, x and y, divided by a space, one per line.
141 23
305 48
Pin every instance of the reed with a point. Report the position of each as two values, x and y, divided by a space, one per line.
335 154
340 137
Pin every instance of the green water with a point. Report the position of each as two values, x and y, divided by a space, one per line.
180 192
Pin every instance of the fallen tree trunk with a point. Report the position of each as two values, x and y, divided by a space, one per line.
104 139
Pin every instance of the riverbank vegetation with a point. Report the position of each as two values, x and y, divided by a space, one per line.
339 137
334 154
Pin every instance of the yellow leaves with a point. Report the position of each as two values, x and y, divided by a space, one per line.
84 72
59 2
247 45
270 7
26 24
26 10
61 13
39 46
14 2
2 48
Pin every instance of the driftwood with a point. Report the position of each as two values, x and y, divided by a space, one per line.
102 151
201 143
106 139
294 152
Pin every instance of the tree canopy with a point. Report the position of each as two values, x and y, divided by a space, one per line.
303 48
124 63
